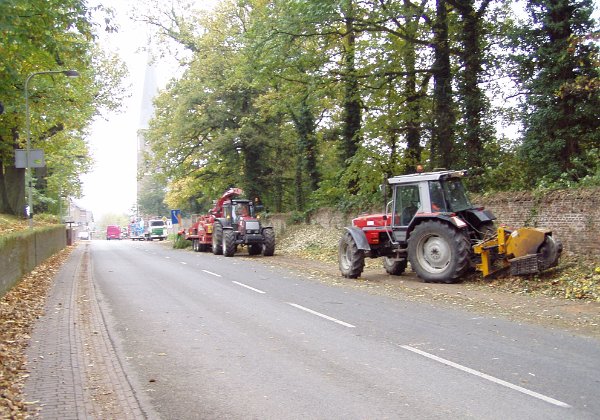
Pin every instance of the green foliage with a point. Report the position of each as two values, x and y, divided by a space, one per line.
179 241
309 104
51 35
151 200
296 218
560 68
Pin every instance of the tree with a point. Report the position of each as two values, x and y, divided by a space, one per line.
443 141
39 36
561 122
473 100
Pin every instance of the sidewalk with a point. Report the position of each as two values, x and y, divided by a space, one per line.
74 371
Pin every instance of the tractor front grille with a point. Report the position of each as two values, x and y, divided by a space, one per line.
252 227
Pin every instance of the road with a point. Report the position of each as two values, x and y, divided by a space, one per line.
209 337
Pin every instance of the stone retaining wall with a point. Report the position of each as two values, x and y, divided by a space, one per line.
23 251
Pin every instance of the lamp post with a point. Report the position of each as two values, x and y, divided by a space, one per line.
68 73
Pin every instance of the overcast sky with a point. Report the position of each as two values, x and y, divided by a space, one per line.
111 185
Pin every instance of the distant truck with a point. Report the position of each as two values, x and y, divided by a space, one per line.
113 232
157 229
136 230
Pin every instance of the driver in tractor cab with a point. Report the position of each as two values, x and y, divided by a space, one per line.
242 210
437 197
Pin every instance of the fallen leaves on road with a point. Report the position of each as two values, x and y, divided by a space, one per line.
574 278
19 309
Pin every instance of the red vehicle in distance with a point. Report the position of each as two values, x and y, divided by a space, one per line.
113 232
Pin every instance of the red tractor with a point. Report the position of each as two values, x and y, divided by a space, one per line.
430 223
230 223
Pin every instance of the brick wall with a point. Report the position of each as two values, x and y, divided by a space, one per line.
572 215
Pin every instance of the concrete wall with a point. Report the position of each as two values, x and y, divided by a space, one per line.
23 251
572 215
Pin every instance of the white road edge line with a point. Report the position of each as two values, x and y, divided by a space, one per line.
183 262
248 287
488 377
212 274
345 324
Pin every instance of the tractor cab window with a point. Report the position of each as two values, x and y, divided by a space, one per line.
227 211
436 195
241 210
455 195
406 205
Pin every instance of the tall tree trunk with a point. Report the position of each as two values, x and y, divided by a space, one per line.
351 104
12 190
413 106
306 150
442 141
473 97
299 182
306 131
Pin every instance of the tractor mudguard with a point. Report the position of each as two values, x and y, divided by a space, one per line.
482 215
454 221
359 238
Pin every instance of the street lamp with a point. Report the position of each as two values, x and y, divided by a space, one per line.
68 73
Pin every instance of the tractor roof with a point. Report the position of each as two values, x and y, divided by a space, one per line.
426 176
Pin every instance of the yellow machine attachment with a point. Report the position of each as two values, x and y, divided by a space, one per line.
525 250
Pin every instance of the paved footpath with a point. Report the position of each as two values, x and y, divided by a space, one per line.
74 370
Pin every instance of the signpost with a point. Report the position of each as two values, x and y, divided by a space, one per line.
176 218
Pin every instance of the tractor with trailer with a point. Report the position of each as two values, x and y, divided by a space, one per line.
431 223
232 222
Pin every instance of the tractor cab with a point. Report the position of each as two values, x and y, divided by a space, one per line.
238 210
438 194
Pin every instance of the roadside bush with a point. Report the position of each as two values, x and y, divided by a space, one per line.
179 241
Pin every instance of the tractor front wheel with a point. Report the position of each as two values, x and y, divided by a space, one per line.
228 243
268 242
395 268
217 239
438 252
255 249
351 259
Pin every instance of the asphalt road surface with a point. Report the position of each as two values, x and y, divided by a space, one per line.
208 337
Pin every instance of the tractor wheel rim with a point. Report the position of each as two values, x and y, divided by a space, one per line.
434 254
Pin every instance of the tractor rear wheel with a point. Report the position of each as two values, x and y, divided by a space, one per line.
228 242
351 259
217 239
395 268
268 248
438 252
